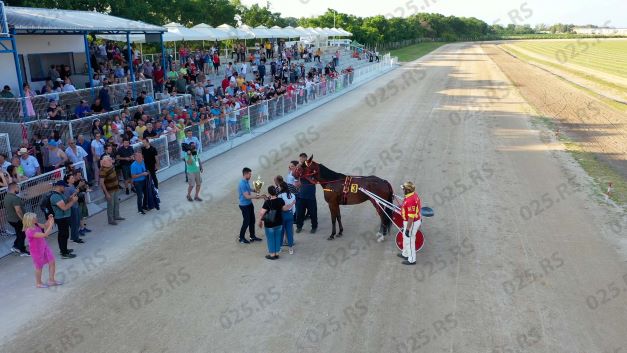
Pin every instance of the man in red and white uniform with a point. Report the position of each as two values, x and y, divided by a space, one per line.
411 222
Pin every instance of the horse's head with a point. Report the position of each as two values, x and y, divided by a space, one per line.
308 170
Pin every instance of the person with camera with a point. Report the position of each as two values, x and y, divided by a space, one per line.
62 211
194 169
186 147
54 111
75 217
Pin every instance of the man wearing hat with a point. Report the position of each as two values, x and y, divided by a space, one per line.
410 211
62 207
29 163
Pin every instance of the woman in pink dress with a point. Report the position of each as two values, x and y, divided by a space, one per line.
40 252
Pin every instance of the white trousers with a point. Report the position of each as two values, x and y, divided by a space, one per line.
409 243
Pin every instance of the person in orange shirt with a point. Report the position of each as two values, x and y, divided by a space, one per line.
410 210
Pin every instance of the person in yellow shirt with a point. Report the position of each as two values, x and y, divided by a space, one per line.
141 127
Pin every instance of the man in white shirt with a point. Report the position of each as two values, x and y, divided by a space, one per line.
28 163
75 153
68 86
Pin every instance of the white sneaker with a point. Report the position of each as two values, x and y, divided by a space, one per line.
380 238
14 250
291 251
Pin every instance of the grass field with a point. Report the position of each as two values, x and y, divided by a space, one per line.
609 56
415 51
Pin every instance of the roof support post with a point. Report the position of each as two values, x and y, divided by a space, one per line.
90 74
163 62
18 72
130 61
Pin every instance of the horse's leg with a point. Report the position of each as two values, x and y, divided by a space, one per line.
382 232
339 221
333 216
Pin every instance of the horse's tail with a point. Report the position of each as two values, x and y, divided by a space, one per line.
389 211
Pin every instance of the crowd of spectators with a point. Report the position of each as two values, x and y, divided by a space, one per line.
214 105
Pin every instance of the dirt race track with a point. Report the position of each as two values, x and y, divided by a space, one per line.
519 257
598 128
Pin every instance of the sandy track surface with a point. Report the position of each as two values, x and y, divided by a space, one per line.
503 269
597 127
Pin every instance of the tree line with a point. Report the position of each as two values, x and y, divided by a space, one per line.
372 31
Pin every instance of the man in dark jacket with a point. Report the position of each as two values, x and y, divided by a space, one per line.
306 201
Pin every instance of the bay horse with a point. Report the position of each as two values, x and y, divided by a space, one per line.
340 189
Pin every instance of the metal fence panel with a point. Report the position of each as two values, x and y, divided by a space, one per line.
11 109
31 191
5 145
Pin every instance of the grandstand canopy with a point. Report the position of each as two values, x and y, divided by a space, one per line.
28 20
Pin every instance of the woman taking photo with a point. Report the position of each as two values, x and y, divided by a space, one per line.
271 219
39 251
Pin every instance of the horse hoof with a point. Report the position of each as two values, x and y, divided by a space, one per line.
331 237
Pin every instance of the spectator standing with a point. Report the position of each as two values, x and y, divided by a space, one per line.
75 217
28 95
105 98
125 158
194 169
288 214
28 163
247 207
273 207
151 160
74 153
139 173
62 212
86 145
41 253
111 188
306 202
97 150
56 157
14 206
159 78
82 188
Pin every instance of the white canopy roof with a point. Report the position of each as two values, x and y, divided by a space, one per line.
177 32
263 32
292 32
31 20
183 32
140 38
209 32
345 32
235 33
302 31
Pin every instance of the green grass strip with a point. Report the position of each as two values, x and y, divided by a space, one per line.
415 51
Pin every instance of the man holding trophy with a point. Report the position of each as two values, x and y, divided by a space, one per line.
246 205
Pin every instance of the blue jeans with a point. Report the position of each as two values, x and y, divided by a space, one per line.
75 222
140 188
288 227
273 238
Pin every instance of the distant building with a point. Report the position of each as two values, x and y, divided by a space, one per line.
601 31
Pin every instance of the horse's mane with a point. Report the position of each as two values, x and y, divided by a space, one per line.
328 174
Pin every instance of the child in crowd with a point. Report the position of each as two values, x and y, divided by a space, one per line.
39 251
